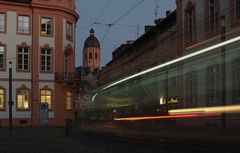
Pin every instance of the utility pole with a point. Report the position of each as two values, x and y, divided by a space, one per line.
223 38
10 103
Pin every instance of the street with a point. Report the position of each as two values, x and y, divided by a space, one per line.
54 140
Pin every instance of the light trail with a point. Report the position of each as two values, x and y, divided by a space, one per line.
206 110
199 52
163 117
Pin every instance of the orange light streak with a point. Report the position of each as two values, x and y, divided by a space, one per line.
163 117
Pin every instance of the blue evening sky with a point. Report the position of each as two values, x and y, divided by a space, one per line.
89 10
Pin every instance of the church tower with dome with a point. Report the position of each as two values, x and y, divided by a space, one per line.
91 52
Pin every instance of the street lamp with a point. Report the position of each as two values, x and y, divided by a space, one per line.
223 37
10 103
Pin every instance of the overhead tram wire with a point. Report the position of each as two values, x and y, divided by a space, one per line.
120 18
104 9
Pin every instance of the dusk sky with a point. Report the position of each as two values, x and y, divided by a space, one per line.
91 11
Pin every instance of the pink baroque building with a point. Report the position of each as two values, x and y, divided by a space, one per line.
38 37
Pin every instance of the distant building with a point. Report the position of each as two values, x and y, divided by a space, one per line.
38 36
156 45
91 52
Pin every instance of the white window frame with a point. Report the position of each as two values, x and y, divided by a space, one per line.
2 22
24 52
23 24
47 59
24 93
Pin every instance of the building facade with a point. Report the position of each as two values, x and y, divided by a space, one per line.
38 37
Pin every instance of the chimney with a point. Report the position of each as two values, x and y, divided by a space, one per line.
129 42
168 12
148 28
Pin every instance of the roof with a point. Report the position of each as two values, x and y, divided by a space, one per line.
19 1
91 41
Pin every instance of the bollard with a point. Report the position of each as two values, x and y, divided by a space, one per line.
68 123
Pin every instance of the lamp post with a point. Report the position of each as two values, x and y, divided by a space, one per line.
10 103
223 37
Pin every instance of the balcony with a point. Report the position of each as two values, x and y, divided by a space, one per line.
67 77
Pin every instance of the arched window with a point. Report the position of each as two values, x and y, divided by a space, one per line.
96 55
190 22
2 99
46 97
69 100
23 95
213 14
85 56
90 55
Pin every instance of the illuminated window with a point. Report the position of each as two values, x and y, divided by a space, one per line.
23 58
190 19
237 5
69 31
68 100
2 99
23 99
191 87
214 83
46 97
2 57
213 15
46 60
23 24
46 27
2 22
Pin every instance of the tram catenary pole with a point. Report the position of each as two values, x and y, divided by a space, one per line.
223 56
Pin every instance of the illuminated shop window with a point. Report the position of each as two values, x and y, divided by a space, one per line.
2 57
23 24
46 26
2 22
2 99
46 97
23 99
23 58
68 100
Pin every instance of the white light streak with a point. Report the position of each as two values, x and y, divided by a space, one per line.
174 61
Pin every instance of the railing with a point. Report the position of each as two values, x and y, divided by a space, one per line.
63 76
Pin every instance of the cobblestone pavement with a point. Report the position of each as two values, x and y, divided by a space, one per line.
54 140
